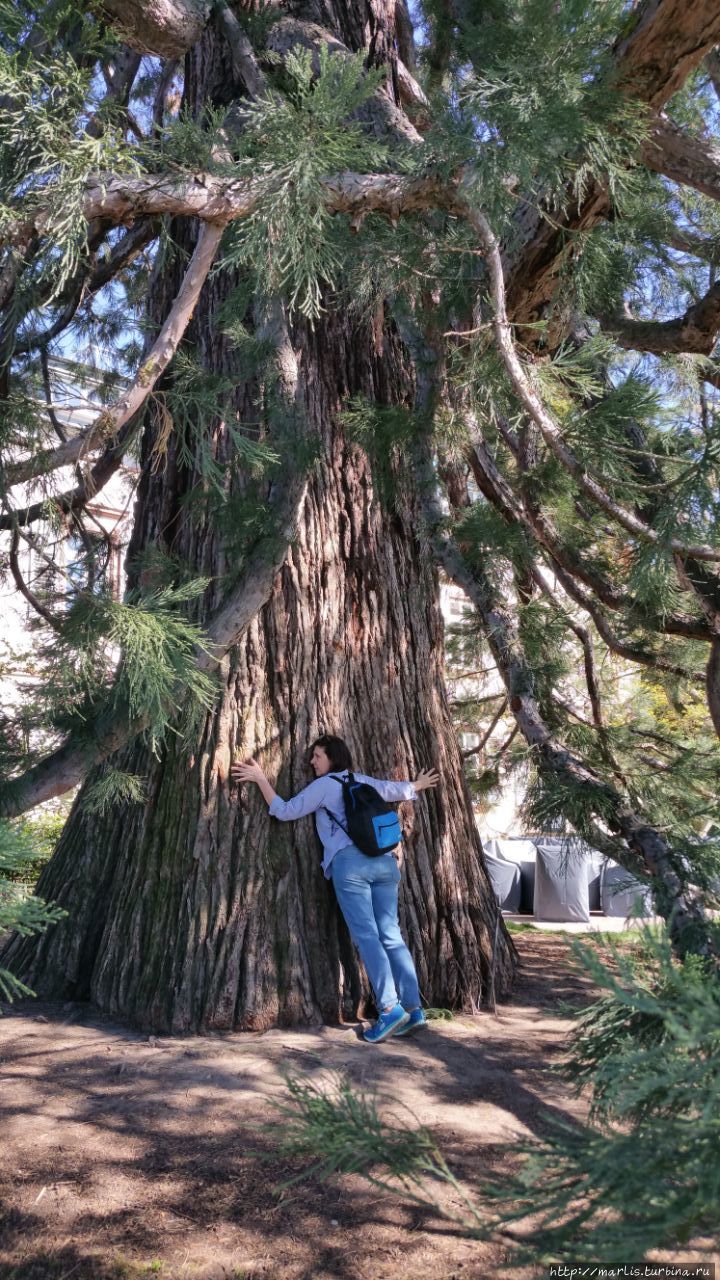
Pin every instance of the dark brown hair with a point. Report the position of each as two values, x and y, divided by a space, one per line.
337 751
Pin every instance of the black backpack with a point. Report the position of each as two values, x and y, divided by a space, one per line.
371 824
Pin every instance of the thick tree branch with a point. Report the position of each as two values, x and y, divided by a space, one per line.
166 28
676 154
668 39
411 94
379 112
696 331
245 67
120 200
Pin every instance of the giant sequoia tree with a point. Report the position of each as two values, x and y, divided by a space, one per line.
383 308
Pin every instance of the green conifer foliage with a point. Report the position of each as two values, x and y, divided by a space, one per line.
20 910
567 460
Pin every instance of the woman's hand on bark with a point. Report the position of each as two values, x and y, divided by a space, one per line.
247 771
426 778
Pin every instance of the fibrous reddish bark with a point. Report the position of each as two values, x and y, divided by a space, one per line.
200 911
197 910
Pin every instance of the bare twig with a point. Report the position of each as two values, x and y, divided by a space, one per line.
474 751
35 604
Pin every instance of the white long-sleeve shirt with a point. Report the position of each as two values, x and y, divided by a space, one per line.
326 793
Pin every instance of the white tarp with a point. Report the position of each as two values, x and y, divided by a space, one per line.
561 878
505 880
561 881
520 851
621 894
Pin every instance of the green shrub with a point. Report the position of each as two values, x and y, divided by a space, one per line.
21 850
40 835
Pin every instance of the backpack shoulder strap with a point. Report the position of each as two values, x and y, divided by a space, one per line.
343 783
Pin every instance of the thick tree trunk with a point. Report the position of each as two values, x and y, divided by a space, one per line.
197 910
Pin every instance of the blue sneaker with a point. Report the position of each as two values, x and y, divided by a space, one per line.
387 1025
415 1021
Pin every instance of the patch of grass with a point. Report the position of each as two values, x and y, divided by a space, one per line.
128 1269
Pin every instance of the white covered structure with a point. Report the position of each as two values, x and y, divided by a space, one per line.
561 879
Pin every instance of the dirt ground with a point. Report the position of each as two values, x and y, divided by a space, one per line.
126 1156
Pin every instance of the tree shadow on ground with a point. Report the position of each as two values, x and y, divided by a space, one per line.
140 1147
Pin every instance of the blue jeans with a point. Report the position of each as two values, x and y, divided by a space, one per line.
367 890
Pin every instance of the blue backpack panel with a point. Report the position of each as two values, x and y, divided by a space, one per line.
370 823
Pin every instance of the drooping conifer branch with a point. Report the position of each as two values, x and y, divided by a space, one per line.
67 766
539 528
598 803
631 652
135 240
675 901
562 555
551 433
113 419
